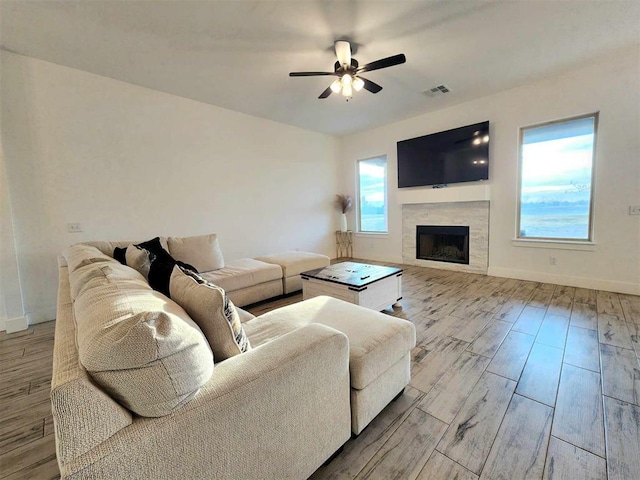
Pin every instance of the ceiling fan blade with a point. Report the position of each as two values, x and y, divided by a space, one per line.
326 93
370 86
383 63
310 74
343 52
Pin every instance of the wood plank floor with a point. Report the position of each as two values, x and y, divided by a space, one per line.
511 379
27 446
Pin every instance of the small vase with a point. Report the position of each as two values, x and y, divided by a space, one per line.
343 222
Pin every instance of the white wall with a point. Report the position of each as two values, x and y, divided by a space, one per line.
130 163
11 313
610 87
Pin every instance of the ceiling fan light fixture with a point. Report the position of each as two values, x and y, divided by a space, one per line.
347 68
347 85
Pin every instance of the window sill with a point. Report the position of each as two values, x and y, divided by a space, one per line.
372 234
555 244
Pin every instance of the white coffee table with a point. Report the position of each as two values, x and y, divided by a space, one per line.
372 286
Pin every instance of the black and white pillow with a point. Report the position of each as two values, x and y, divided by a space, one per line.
153 262
120 254
209 306
139 259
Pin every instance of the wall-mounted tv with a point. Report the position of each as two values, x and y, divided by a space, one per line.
453 156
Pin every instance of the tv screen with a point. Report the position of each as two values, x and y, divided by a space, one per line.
453 156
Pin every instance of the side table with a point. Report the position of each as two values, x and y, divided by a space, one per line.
344 244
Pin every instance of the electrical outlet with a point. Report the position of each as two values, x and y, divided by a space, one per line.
74 227
634 210
552 260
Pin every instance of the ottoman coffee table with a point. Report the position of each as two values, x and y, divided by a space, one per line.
372 286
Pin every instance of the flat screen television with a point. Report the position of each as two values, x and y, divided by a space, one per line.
454 156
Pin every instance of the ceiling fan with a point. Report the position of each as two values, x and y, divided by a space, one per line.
348 72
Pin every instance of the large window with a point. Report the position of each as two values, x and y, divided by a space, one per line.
556 179
372 195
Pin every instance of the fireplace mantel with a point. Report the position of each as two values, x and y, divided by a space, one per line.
453 194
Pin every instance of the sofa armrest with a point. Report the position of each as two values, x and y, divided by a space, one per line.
83 414
277 411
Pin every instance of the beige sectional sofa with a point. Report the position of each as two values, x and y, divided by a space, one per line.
316 372
246 280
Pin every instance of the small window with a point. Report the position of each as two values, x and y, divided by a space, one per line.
556 179
372 195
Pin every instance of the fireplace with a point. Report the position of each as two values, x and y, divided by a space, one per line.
442 244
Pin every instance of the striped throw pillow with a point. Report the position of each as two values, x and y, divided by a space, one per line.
209 306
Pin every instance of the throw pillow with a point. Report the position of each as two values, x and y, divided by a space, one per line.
139 259
155 247
202 251
161 265
139 346
120 254
209 306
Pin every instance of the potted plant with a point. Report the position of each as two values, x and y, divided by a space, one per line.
344 205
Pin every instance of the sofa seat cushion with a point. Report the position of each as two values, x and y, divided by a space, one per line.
376 341
138 345
209 306
244 316
294 263
202 251
243 273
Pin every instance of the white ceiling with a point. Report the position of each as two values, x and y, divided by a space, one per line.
237 54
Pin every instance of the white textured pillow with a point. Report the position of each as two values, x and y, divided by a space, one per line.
138 345
138 259
209 306
203 251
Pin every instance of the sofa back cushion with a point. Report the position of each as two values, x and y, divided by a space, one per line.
209 306
203 251
80 255
108 247
138 345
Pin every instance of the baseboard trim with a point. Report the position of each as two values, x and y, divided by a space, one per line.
568 280
17 324
41 316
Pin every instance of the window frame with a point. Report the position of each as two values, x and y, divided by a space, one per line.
359 230
549 240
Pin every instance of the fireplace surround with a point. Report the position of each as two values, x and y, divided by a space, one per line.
474 214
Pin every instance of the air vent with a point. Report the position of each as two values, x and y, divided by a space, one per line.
436 91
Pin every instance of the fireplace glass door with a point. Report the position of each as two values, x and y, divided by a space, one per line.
442 243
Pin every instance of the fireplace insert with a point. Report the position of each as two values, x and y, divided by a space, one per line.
442 243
